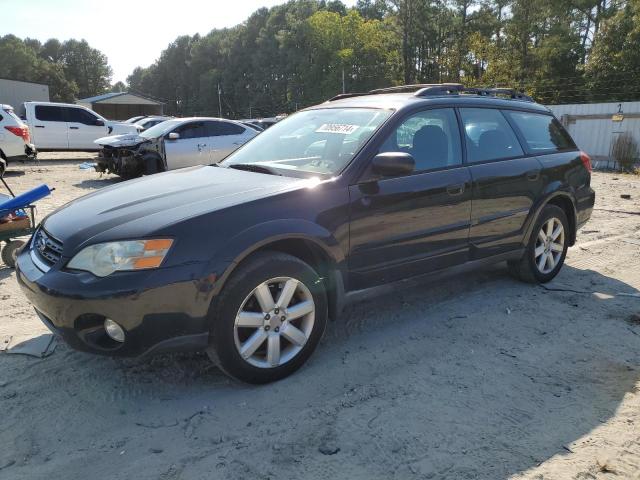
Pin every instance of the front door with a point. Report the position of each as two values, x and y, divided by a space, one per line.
417 223
191 148
84 127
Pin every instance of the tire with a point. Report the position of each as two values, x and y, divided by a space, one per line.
260 364
152 164
530 268
10 252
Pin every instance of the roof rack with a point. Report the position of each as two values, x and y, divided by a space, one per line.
347 95
417 86
440 89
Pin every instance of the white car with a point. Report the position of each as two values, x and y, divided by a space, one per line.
175 143
135 119
15 141
65 126
146 123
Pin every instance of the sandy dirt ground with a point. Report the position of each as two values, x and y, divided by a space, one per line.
472 377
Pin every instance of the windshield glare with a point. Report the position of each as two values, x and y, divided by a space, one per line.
320 141
160 129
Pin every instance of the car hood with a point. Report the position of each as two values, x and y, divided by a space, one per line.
142 207
125 140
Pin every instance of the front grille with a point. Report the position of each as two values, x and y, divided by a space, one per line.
47 248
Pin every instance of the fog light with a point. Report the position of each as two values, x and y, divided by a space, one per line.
114 330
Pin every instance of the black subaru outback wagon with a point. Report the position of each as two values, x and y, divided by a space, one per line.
248 258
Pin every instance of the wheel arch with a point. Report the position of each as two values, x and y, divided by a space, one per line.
306 241
153 156
563 200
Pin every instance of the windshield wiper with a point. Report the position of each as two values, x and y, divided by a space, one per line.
252 167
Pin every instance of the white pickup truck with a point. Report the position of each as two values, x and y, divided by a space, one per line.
65 126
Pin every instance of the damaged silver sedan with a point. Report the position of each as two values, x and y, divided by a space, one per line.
172 144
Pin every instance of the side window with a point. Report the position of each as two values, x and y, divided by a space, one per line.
543 133
228 128
216 129
488 135
49 113
192 130
431 137
79 115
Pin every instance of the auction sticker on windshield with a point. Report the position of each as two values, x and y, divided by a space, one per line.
337 128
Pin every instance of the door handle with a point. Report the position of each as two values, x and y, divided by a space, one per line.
533 175
39 126
74 128
457 189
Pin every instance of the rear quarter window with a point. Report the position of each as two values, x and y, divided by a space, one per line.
542 133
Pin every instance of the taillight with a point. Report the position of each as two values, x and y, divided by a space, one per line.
586 161
22 132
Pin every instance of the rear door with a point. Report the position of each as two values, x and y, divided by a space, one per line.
416 223
562 166
506 182
225 137
84 127
49 128
192 148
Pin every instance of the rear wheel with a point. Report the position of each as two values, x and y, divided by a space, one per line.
10 252
547 248
269 318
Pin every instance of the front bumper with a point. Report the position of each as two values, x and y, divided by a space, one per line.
160 310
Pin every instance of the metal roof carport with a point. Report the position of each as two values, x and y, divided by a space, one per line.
122 105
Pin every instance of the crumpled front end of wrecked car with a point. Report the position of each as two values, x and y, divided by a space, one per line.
121 158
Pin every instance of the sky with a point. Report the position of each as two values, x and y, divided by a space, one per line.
130 33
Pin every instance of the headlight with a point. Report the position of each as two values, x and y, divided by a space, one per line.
103 259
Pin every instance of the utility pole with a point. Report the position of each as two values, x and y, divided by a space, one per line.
219 101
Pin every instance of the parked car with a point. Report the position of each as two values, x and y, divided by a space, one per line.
248 258
15 140
148 122
256 127
177 143
65 126
135 119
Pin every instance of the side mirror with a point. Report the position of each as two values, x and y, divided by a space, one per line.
173 136
392 164
99 123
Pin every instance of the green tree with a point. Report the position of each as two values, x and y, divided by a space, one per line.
85 66
613 68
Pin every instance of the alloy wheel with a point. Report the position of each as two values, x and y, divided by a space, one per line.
274 322
549 245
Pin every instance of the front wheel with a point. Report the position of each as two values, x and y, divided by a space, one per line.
269 318
547 248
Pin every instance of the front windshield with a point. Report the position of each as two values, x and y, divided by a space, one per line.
320 141
160 129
